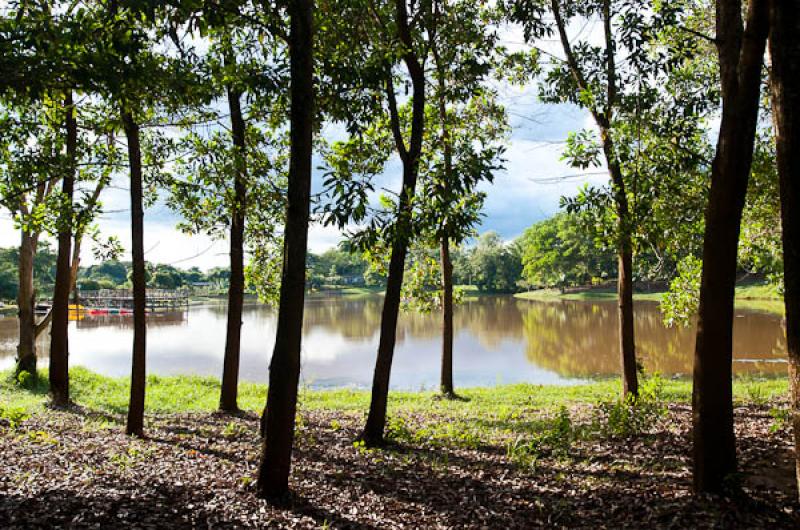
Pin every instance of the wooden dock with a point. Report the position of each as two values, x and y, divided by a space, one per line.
116 300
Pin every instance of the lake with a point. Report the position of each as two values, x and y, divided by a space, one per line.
498 339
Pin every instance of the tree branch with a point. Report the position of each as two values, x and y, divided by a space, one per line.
611 69
394 117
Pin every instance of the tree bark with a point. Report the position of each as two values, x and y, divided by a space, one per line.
627 341
135 423
741 53
284 374
785 87
446 377
59 334
446 384
372 434
230 371
26 300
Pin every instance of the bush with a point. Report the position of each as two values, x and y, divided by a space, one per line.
13 415
25 379
557 437
631 416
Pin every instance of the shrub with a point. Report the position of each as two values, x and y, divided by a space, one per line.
557 437
13 415
25 379
631 416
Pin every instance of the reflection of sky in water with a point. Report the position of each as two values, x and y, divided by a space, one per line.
497 340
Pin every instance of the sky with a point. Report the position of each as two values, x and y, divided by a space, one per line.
526 191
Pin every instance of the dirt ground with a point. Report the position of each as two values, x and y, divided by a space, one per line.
78 470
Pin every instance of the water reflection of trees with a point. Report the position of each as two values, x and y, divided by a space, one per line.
490 319
573 339
9 332
356 319
579 339
9 337
154 320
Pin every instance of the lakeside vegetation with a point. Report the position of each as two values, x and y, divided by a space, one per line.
195 394
545 450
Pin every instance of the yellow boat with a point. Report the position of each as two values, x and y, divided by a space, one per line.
77 312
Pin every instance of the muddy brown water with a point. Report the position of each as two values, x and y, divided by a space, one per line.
498 339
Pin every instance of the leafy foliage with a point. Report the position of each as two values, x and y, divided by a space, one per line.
679 304
560 252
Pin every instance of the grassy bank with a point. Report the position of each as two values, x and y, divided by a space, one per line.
514 456
347 291
599 293
754 296
177 394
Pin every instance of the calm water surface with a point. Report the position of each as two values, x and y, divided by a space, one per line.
497 340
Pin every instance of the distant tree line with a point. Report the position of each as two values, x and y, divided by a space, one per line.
488 263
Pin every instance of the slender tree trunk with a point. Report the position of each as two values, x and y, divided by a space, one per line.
230 371
372 435
26 301
446 384
627 340
59 334
446 381
604 119
741 54
376 419
284 374
135 424
785 87
627 347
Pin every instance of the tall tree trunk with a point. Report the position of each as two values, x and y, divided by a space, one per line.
284 373
376 419
741 53
26 301
59 335
627 340
372 436
230 371
446 377
785 88
627 346
446 384
135 423
603 117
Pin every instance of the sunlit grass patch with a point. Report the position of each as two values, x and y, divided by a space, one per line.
184 394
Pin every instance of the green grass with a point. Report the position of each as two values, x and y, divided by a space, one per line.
548 295
758 291
176 394
349 292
